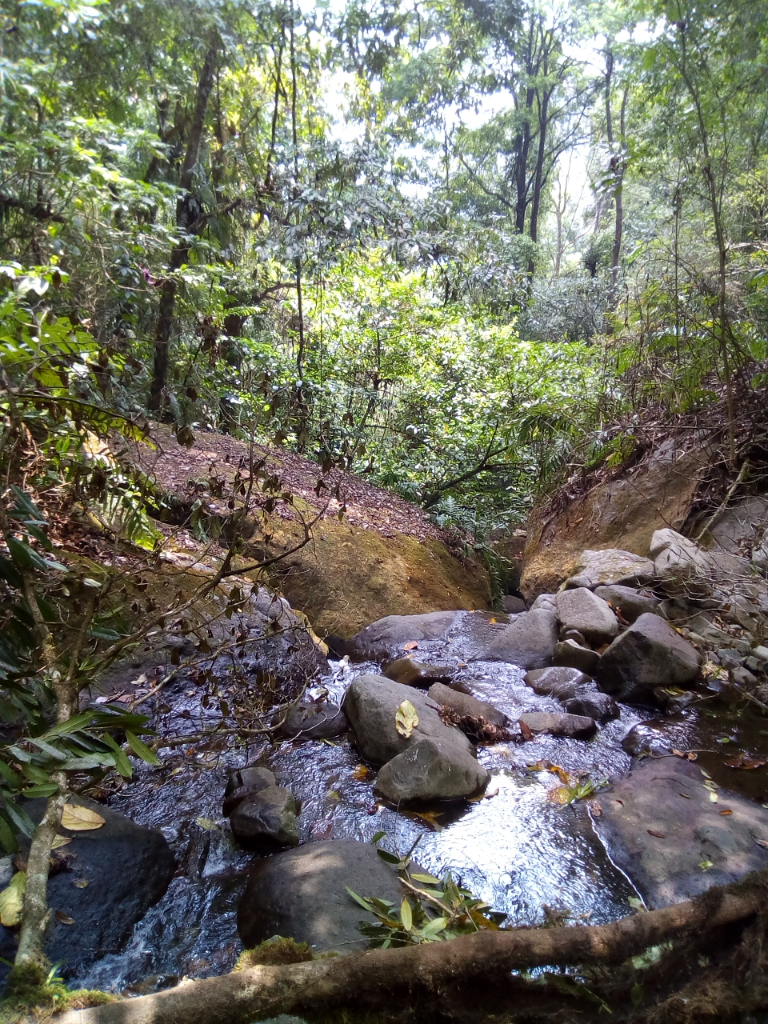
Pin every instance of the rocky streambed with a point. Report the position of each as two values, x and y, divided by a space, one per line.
632 767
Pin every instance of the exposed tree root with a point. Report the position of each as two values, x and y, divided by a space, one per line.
383 980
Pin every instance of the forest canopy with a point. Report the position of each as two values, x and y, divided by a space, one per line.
456 246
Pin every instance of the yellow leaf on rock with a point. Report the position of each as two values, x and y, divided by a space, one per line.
12 899
406 719
559 795
80 819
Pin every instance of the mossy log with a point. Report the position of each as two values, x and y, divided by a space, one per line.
381 978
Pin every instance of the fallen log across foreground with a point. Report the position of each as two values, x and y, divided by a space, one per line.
376 977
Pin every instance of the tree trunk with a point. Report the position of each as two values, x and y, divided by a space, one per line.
187 214
386 978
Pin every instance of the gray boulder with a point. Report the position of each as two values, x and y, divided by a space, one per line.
559 681
660 826
371 704
416 673
431 769
545 601
610 566
682 567
245 782
574 727
649 654
600 706
465 704
266 819
513 605
528 640
314 721
569 654
581 610
630 603
302 894
649 738
387 637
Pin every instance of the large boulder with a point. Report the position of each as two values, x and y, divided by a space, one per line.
430 769
608 567
592 616
665 832
648 655
600 706
126 868
741 529
302 894
371 704
621 513
387 637
528 640
628 602
682 567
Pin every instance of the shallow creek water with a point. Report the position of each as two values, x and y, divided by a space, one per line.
514 848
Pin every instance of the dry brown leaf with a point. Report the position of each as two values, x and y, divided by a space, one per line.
63 918
361 773
80 883
406 719
726 810
80 819
658 835
412 645
743 762
59 841
525 731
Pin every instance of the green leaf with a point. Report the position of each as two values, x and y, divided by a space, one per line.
7 837
141 749
45 789
122 763
428 879
406 914
359 899
390 858
377 837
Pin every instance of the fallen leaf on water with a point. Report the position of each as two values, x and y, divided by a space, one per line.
686 795
63 918
726 810
659 835
705 865
429 816
412 645
332 794
743 762
406 719
80 883
80 819
493 622
361 773
525 731
713 797
12 899
687 755
761 842
59 841
208 824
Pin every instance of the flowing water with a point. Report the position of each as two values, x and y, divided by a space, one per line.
514 848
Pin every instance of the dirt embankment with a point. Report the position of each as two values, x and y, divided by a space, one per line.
370 554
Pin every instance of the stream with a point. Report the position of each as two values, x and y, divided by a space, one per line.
524 855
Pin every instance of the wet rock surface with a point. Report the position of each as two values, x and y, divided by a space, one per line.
315 721
410 672
266 819
465 704
387 637
126 869
559 681
609 567
570 654
575 727
664 829
528 641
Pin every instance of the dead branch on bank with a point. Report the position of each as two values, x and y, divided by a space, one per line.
382 978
